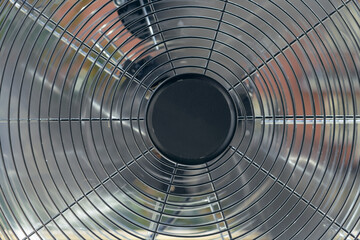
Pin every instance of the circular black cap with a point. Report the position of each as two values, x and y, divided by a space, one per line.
191 119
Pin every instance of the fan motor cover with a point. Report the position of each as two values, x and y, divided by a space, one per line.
179 119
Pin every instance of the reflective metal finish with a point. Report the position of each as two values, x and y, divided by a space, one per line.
76 160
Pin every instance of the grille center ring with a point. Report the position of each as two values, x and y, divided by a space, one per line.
191 119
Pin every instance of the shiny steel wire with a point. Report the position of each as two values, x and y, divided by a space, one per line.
76 158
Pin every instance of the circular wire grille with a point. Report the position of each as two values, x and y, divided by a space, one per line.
76 158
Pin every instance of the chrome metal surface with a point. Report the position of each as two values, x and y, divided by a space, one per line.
76 161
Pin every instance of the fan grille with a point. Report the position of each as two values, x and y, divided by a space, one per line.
76 158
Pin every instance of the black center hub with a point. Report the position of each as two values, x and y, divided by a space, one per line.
191 119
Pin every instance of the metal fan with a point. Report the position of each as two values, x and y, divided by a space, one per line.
179 119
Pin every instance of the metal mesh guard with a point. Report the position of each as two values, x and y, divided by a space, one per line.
76 159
